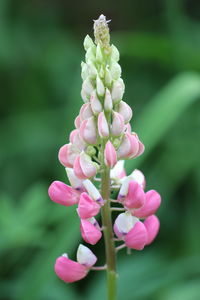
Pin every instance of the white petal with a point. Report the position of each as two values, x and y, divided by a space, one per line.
85 256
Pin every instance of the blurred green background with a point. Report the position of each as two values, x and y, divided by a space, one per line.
40 54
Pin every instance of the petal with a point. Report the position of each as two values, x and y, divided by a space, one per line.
87 207
117 90
85 256
151 205
67 155
77 168
63 194
118 172
89 232
93 191
88 131
124 223
138 176
110 155
85 112
77 122
152 225
136 238
75 182
87 165
95 103
135 197
117 124
108 105
69 270
103 125
125 110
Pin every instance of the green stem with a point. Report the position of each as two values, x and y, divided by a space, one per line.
108 236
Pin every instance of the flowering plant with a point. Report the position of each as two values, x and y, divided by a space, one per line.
99 144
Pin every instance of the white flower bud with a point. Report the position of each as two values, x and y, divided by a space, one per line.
114 53
87 86
117 90
100 86
88 42
108 104
90 54
91 69
95 103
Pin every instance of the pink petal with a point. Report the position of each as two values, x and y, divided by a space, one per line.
67 156
136 238
63 194
152 225
89 232
126 111
151 205
77 168
88 131
135 197
69 270
103 125
129 146
72 135
110 155
77 122
117 124
85 111
87 166
87 207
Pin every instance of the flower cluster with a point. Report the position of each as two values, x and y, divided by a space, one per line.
103 138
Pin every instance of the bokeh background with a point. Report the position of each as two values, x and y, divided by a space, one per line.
40 54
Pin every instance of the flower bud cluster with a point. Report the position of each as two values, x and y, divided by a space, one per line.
102 139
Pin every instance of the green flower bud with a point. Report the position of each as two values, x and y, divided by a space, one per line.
91 151
115 70
114 53
88 42
108 77
116 143
100 87
84 71
99 54
90 54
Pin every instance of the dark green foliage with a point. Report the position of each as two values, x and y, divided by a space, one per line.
40 53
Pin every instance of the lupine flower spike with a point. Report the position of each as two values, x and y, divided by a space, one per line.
100 142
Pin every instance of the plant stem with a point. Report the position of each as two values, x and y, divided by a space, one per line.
108 236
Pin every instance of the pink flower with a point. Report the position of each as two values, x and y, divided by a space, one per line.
63 194
110 155
85 111
84 167
87 131
125 111
152 225
129 146
90 231
152 203
132 195
117 127
67 155
136 238
87 207
131 230
103 125
69 270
